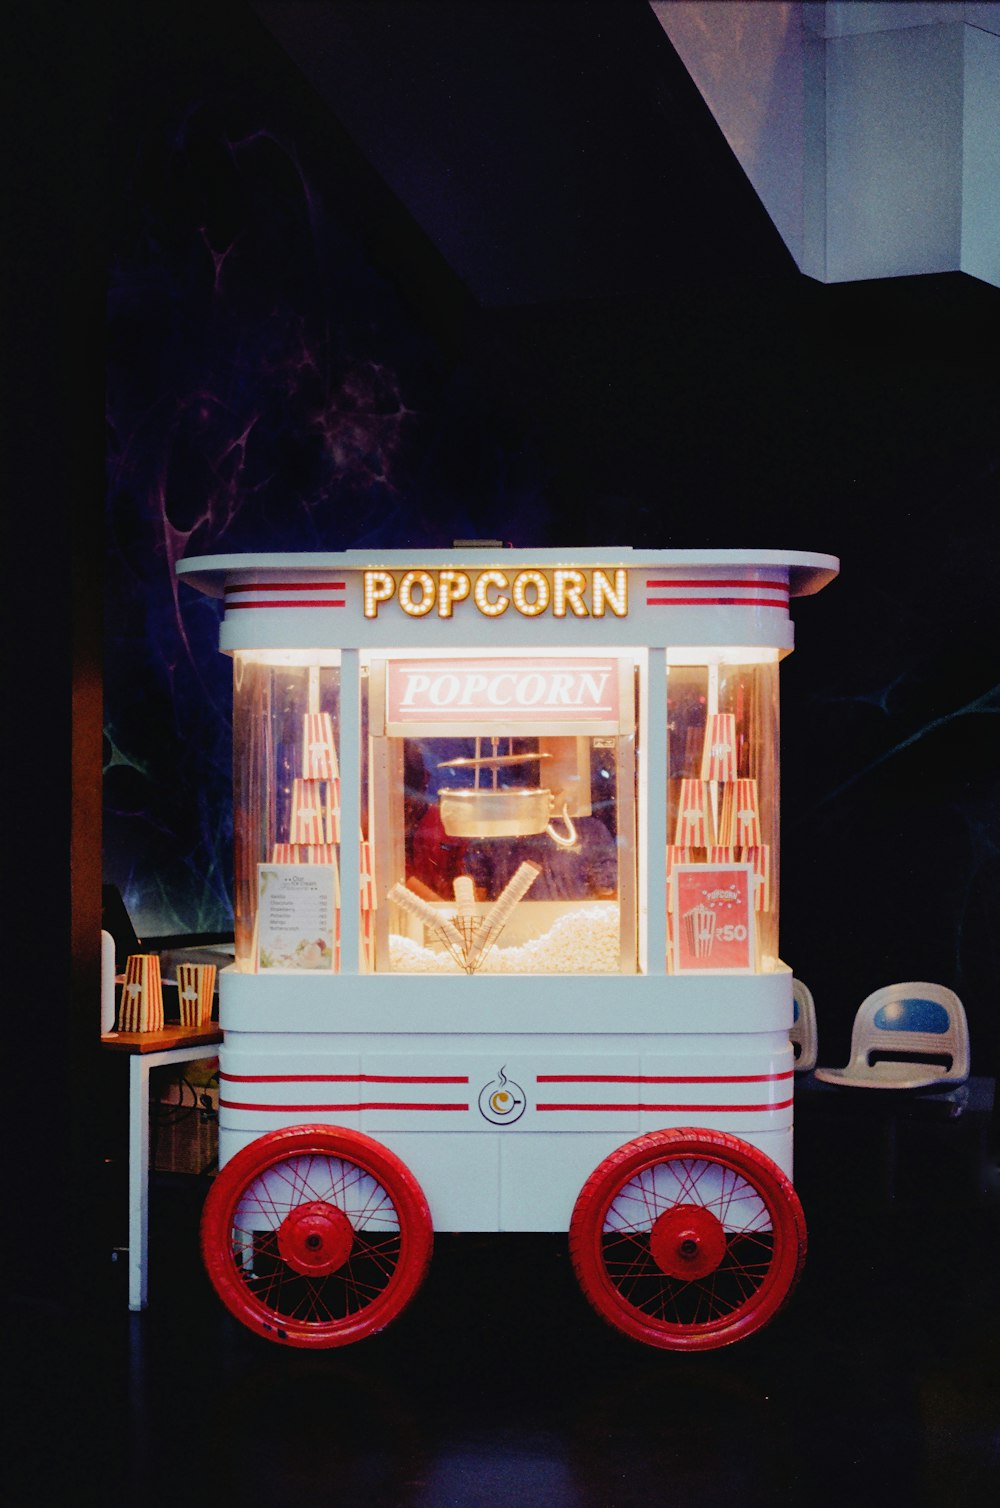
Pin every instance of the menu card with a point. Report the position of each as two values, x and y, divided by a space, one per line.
296 917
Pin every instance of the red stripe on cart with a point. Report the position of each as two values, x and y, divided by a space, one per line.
344 1078
748 583
663 1078
715 602
297 586
233 607
358 1105
675 1109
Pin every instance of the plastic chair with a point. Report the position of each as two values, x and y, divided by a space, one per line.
803 1035
906 1036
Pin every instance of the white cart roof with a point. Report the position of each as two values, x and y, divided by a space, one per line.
807 572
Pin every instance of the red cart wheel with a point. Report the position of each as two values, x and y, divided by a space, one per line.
687 1239
316 1236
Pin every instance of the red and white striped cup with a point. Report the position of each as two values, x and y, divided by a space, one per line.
694 827
142 995
195 992
319 747
718 760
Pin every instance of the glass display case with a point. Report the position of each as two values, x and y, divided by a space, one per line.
500 807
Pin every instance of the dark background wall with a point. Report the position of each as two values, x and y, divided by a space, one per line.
604 341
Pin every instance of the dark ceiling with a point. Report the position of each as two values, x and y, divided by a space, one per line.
579 227
551 151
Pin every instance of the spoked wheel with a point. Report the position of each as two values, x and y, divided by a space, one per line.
687 1239
316 1236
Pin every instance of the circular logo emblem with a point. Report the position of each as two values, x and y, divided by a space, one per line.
501 1101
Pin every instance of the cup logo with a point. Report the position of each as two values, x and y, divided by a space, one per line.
501 1101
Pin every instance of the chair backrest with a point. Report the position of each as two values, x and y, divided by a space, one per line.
914 1022
803 1035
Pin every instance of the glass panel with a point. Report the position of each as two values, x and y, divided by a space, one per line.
722 814
506 852
286 800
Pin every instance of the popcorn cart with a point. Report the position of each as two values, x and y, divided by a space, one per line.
506 919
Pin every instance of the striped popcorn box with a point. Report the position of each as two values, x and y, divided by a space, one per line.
195 992
309 809
289 853
694 827
675 855
369 897
368 941
760 858
739 822
142 995
332 816
319 748
721 855
304 853
718 759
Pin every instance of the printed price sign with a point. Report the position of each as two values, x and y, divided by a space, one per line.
296 917
712 917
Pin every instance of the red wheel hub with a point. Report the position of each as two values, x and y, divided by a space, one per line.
687 1242
315 1239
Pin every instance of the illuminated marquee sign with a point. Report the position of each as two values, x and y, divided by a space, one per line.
561 592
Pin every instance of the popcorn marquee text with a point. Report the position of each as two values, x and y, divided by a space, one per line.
561 592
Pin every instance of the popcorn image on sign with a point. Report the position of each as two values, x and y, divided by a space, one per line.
195 992
142 995
699 927
718 760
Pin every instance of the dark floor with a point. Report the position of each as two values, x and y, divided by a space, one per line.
880 1382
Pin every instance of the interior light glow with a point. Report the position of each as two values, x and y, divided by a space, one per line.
284 658
723 654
